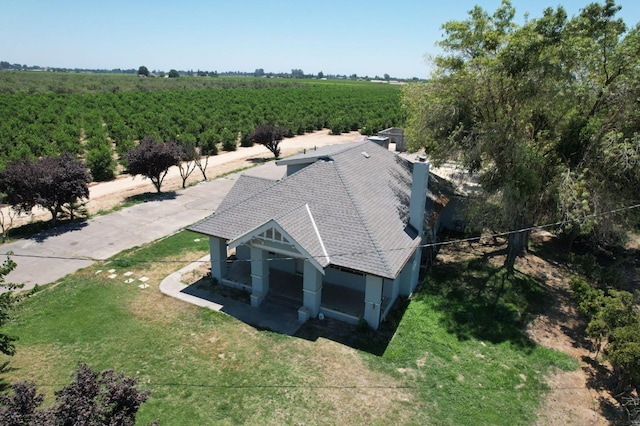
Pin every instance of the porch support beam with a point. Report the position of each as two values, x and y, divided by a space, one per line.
218 257
311 289
259 276
372 300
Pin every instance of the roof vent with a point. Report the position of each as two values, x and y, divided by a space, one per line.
366 154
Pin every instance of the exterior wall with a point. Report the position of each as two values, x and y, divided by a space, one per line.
452 216
344 279
373 300
243 252
390 291
286 265
409 275
383 141
395 135
292 168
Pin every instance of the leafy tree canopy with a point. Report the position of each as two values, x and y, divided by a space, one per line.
6 303
152 159
269 135
546 112
143 71
92 398
49 182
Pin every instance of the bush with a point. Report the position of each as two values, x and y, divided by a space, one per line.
92 398
229 140
101 163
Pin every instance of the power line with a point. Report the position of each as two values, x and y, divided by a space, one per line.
427 245
333 387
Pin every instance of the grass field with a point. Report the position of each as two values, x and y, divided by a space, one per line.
205 367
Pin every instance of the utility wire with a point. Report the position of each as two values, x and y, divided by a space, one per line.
427 245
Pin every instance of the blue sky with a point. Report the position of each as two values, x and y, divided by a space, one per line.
337 37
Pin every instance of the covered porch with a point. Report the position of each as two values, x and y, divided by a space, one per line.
337 302
270 261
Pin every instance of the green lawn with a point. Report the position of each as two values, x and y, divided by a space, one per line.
204 367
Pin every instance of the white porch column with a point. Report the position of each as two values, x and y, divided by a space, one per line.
259 276
218 257
372 300
311 290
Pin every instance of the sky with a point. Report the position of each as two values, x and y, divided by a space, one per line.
363 37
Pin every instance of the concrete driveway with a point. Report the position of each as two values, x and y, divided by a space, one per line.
49 256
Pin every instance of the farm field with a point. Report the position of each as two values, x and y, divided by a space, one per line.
205 367
43 114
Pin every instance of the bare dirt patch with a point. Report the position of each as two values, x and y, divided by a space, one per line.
574 398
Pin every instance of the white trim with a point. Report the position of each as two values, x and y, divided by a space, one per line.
297 251
315 228
275 250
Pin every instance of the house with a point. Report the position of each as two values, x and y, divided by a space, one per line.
343 230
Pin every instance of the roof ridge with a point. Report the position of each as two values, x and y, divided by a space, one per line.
364 220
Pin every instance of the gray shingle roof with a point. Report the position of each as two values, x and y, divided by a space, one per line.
245 187
359 204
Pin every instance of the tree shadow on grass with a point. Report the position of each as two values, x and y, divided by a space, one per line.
478 300
5 368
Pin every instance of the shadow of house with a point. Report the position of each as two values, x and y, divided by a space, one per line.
347 225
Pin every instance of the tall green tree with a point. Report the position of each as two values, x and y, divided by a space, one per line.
143 71
540 111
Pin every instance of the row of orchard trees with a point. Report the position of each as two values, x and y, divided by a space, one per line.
101 128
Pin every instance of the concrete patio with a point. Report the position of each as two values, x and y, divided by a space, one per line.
278 312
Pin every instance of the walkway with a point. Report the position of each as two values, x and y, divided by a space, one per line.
271 315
